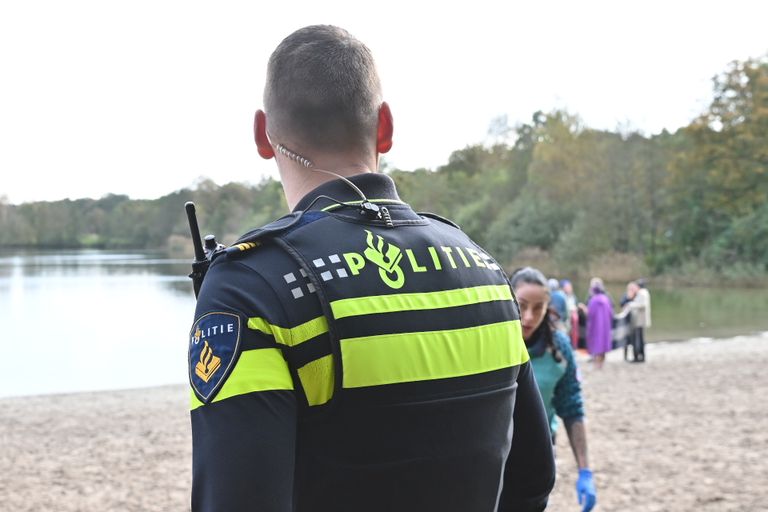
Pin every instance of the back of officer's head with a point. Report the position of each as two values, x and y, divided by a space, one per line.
323 91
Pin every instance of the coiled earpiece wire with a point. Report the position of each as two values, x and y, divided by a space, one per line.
366 207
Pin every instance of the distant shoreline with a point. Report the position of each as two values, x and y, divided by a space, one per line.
618 268
139 389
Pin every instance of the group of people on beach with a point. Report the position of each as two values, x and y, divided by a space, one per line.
596 325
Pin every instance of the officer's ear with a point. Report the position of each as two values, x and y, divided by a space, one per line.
260 135
384 129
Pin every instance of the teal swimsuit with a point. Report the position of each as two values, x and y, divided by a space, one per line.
559 382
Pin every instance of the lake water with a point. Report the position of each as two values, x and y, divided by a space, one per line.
94 320
91 320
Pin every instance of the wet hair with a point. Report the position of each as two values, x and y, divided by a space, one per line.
534 276
529 275
323 91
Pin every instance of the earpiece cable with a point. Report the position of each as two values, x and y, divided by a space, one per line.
306 162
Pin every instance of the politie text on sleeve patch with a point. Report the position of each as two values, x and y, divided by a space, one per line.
214 341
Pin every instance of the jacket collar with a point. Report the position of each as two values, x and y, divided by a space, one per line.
375 186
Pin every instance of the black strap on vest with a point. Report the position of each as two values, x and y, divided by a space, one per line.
276 232
438 218
273 228
325 306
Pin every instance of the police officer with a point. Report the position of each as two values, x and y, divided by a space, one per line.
355 355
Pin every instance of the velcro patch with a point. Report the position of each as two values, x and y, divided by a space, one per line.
214 341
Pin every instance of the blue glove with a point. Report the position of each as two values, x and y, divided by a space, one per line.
585 490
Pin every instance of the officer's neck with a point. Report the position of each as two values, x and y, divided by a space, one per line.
299 181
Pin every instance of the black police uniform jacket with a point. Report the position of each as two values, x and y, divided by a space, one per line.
349 363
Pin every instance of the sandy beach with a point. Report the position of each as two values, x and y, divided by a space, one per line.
686 431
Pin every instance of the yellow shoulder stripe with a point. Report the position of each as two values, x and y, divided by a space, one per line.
290 336
256 370
316 376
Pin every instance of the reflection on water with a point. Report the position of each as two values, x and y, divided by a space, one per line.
708 312
89 320
85 320
88 264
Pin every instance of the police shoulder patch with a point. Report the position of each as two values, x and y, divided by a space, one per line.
214 341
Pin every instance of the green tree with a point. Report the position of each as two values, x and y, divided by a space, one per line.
721 176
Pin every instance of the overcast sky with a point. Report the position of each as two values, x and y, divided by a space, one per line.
144 97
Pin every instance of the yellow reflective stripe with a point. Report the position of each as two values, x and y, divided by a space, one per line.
419 301
290 336
194 403
256 370
317 380
360 201
417 356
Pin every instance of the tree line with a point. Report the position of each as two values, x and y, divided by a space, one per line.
698 196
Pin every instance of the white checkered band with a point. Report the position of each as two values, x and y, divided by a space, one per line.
298 291
302 286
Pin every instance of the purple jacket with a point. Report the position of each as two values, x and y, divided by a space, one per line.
599 324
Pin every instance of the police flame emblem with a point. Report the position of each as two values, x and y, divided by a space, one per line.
208 364
388 261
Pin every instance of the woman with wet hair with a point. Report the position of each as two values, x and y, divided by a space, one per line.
555 370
